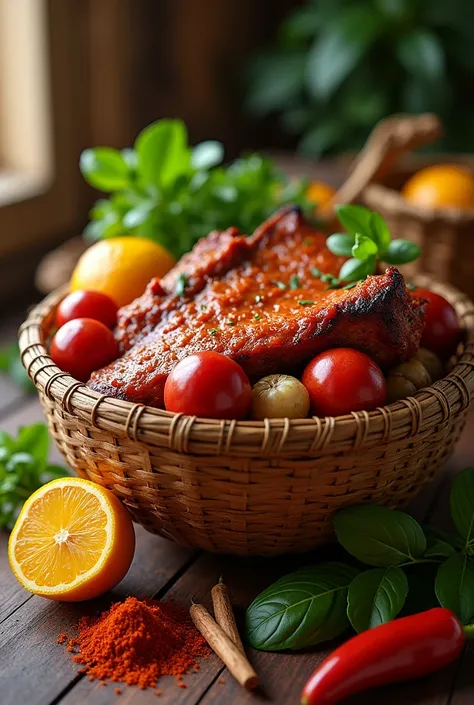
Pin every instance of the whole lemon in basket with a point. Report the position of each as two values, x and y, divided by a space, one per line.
121 267
441 186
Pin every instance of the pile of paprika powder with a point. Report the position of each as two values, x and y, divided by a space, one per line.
138 641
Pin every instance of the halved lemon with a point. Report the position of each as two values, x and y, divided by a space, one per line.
73 541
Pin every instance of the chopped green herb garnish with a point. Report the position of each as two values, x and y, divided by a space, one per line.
231 322
280 285
203 307
181 284
316 272
328 278
257 317
213 331
306 302
411 287
258 298
294 282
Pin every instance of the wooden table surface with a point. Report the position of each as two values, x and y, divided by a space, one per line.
34 670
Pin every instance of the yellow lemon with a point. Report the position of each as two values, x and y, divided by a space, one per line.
73 541
441 186
121 267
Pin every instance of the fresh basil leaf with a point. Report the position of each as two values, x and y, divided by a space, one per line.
34 440
433 535
301 609
379 536
355 269
207 154
401 252
375 597
163 152
104 168
364 247
455 586
380 232
439 549
340 244
355 219
462 504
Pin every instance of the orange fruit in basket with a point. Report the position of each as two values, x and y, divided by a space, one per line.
441 186
320 193
121 267
73 541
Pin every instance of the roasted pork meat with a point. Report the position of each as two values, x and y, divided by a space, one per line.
261 301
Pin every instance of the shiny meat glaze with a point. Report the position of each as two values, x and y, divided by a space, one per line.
240 301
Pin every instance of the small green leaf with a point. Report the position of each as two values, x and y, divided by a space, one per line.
340 244
462 504
279 285
355 219
455 586
301 609
163 152
364 247
355 269
375 597
306 302
401 252
104 168
138 215
207 154
379 536
380 232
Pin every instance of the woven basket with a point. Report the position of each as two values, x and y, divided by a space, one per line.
250 487
445 235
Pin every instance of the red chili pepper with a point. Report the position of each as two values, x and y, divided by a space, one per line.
405 648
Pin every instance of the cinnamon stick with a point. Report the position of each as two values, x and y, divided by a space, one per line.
224 614
235 660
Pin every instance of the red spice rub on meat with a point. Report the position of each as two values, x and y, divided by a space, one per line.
258 301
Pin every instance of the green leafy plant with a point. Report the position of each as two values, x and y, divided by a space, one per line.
367 242
318 603
10 364
24 468
341 65
172 193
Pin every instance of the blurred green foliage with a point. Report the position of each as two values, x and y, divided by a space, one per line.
342 65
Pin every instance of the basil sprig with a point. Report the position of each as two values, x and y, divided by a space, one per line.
170 192
24 468
367 241
409 567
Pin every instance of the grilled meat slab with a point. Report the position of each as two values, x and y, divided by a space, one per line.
257 300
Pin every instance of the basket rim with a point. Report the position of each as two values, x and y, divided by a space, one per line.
271 437
391 201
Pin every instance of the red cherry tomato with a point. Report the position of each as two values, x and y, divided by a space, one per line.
208 384
442 331
87 304
82 346
343 380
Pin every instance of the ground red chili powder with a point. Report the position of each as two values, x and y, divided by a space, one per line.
137 641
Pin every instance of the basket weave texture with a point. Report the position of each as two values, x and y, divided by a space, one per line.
250 487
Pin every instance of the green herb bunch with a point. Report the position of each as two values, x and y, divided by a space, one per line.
367 242
10 364
167 191
339 66
24 468
410 569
